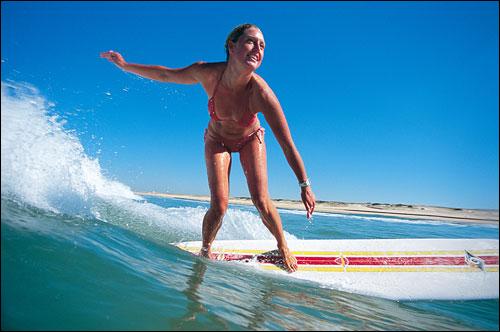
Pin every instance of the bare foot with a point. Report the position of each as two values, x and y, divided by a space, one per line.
289 261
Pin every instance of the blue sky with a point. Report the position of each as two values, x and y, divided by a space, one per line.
387 102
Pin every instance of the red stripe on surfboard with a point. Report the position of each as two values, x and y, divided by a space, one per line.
304 260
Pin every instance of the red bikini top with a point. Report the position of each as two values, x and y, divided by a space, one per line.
245 121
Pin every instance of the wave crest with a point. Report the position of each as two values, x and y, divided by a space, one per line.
43 164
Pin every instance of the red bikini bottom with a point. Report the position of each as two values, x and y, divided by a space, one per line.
234 145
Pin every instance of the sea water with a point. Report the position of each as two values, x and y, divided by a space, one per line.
83 252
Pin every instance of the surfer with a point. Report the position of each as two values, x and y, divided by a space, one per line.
236 94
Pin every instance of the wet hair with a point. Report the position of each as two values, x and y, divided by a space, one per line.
236 34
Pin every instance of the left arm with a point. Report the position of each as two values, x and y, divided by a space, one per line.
269 105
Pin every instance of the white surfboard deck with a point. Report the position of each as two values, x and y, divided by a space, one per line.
399 269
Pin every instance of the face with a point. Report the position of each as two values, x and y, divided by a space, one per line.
249 49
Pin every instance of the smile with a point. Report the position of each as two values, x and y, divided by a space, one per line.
253 58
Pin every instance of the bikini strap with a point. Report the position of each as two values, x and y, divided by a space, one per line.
218 82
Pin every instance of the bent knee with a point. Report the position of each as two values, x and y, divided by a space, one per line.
219 207
261 203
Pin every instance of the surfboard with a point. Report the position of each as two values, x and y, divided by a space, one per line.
399 269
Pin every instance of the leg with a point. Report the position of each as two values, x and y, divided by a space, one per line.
218 162
253 160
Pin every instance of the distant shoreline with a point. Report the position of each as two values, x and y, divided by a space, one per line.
456 215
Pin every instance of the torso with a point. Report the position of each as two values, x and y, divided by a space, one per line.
234 110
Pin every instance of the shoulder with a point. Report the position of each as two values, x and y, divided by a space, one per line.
259 85
208 71
209 67
263 94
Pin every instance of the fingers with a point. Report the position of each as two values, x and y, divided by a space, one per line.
310 208
110 55
105 54
311 204
309 201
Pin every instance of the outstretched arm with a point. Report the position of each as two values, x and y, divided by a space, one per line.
271 108
188 75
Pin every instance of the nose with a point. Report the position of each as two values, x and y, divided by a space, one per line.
256 47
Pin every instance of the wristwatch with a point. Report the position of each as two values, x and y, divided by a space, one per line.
304 184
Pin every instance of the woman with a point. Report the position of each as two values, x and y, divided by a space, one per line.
237 94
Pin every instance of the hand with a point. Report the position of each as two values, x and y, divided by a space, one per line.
114 57
309 200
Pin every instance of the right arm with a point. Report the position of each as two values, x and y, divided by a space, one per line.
268 104
188 75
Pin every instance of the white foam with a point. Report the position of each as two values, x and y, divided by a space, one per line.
45 166
185 223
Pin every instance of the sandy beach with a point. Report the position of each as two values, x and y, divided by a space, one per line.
456 215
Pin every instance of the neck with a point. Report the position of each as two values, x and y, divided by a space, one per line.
236 78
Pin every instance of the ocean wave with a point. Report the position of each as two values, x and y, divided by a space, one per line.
45 166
